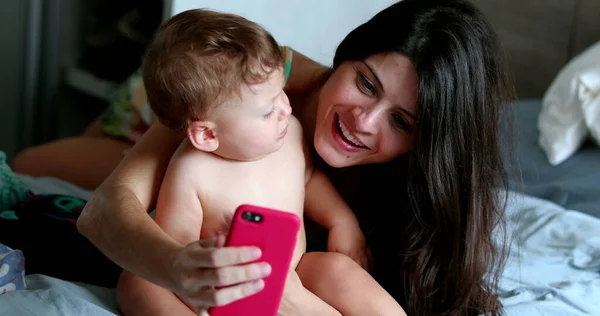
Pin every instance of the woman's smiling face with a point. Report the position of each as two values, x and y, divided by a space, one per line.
367 111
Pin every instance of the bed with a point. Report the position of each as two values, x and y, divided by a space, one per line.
554 261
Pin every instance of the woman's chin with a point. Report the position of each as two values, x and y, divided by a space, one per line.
331 156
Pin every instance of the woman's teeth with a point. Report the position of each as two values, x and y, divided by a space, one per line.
347 134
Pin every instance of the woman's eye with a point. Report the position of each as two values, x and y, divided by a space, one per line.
365 85
400 122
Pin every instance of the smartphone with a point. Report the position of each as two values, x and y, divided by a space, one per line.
275 233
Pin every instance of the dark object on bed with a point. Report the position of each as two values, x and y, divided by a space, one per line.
574 184
43 228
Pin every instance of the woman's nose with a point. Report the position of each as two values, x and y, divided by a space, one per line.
368 119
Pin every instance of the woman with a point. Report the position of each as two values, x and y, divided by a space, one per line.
411 110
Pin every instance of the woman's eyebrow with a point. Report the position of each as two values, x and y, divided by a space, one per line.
374 73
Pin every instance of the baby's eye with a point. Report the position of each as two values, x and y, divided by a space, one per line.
268 115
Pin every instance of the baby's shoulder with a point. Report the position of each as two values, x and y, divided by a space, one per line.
295 123
295 128
295 146
192 160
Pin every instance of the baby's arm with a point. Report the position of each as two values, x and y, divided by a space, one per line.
324 205
178 209
179 214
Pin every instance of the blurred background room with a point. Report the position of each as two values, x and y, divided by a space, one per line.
62 60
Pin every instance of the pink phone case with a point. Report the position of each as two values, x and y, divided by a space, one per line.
275 233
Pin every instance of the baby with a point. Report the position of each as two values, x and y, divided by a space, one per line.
219 78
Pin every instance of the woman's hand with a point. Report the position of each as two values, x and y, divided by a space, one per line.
207 274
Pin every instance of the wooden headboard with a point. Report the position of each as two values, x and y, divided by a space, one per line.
540 36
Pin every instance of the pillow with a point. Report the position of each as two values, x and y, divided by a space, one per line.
590 83
570 108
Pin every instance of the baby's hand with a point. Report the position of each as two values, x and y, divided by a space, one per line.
349 240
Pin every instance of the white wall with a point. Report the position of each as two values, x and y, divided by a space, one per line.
312 27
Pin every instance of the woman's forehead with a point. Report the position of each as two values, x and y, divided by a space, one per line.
391 63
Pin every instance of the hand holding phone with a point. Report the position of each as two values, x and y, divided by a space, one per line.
275 233
194 264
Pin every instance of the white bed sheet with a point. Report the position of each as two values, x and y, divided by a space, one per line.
554 261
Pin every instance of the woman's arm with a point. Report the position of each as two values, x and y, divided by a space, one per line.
303 74
116 219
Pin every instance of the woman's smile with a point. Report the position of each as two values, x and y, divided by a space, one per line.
347 140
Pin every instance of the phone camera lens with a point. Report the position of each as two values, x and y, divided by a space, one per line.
252 217
247 216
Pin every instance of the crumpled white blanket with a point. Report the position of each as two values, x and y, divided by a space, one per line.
553 266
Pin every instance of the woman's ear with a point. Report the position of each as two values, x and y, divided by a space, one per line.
202 135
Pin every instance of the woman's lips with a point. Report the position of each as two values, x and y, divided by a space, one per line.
352 145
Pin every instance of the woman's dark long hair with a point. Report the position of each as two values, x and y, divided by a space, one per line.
444 255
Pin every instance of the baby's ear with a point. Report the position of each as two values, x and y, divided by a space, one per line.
202 135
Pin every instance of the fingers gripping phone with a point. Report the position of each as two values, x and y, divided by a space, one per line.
275 233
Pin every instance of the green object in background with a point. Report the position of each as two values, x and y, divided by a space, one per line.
8 215
12 189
